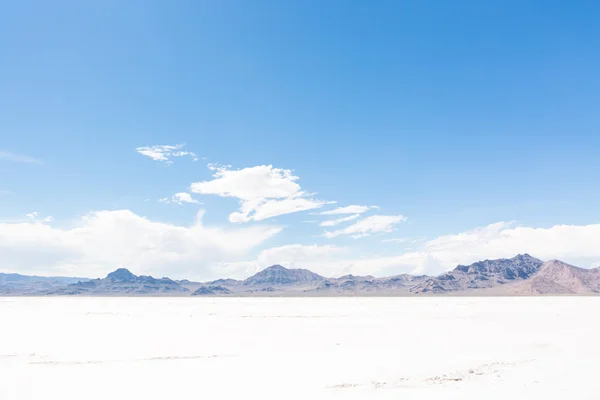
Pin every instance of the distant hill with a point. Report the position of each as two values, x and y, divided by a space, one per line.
211 290
123 282
557 277
226 282
17 284
481 275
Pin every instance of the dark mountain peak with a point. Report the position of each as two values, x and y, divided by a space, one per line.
482 274
278 275
526 258
121 275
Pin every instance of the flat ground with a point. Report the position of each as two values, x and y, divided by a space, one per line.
296 348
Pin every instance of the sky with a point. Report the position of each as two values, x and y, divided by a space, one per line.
209 139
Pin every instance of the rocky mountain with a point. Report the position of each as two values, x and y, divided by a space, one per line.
123 282
272 281
277 275
481 275
17 284
557 277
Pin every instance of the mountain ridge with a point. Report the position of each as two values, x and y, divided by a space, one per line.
520 275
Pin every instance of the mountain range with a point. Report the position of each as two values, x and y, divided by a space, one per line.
122 282
517 276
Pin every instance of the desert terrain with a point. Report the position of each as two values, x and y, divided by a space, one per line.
299 348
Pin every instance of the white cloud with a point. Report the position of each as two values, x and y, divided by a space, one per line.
104 240
183 197
217 167
34 216
18 158
262 181
323 260
263 209
368 225
576 244
394 240
330 261
264 192
179 198
349 210
164 153
299 256
333 222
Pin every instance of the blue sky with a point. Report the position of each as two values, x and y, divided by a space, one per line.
449 117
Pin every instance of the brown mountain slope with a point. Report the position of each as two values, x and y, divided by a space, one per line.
557 277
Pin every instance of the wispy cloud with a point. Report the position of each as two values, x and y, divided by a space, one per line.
18 158
395 240
334 222
33 216
367 226
349 210
263 191
164 152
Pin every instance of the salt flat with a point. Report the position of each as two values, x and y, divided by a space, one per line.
317 348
